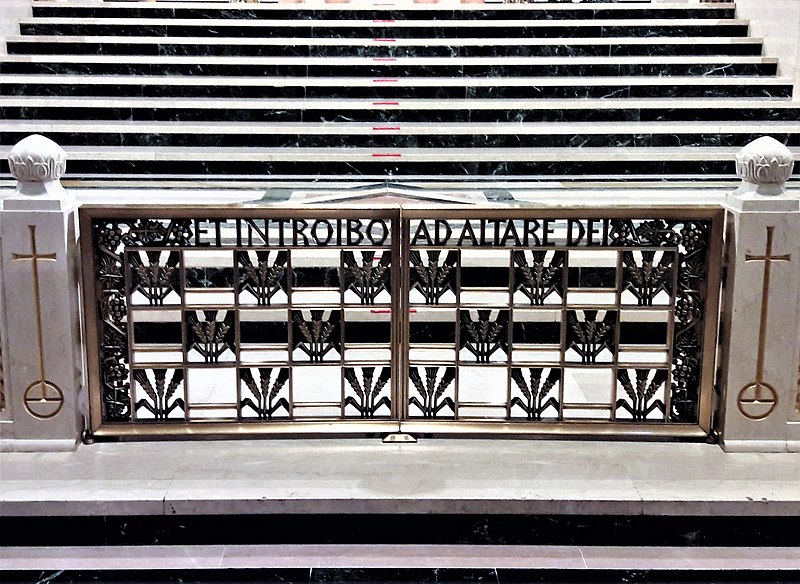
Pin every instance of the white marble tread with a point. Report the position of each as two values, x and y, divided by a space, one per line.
433 476
399 104
266 81
386 42
364 6
155 557
429 61
403 128
398 23
255 154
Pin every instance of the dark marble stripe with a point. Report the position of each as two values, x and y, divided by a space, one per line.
433 13
464 114
22 88
588 30
456 528
422 141
78 169
390 69
304 50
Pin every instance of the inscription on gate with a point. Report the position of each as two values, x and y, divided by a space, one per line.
264 316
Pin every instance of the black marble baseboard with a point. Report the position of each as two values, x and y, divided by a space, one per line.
576 530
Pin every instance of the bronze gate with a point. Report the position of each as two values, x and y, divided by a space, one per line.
361 320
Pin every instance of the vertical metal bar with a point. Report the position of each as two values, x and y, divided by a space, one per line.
126 271
618 281
671 336
342 324
562 359
184 334
457 380
400 282
290 327
510 332
237 338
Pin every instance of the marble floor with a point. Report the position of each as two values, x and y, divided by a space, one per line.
434 476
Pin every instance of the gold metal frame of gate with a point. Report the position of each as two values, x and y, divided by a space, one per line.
399 217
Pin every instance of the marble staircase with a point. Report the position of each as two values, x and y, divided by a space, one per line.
545 90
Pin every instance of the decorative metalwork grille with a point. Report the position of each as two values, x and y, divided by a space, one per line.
265 318
244 319
558 319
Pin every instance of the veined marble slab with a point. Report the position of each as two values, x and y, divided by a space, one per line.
249 81
402 104
433 476
404 154
405 128
345 61
151 557
384 42
405 23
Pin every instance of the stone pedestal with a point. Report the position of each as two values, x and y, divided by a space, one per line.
759 339
41 336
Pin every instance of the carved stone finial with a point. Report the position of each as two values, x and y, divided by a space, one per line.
38 164
764 166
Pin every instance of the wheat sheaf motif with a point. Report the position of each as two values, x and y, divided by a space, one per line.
160 391
265 401
431 391
209 337
641 392
368 390
263 278
535 390
365 278
317 336
484 337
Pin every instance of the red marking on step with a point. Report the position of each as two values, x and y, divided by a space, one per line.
386 20
385 80
385 127
388 310
385 103
386 154
384 58
385 40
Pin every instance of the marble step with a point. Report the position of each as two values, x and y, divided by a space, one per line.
377 28
381 47
401 88
533 11
425 135
408 110
389 67
232 163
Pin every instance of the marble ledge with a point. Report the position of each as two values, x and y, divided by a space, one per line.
399 557
360 476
